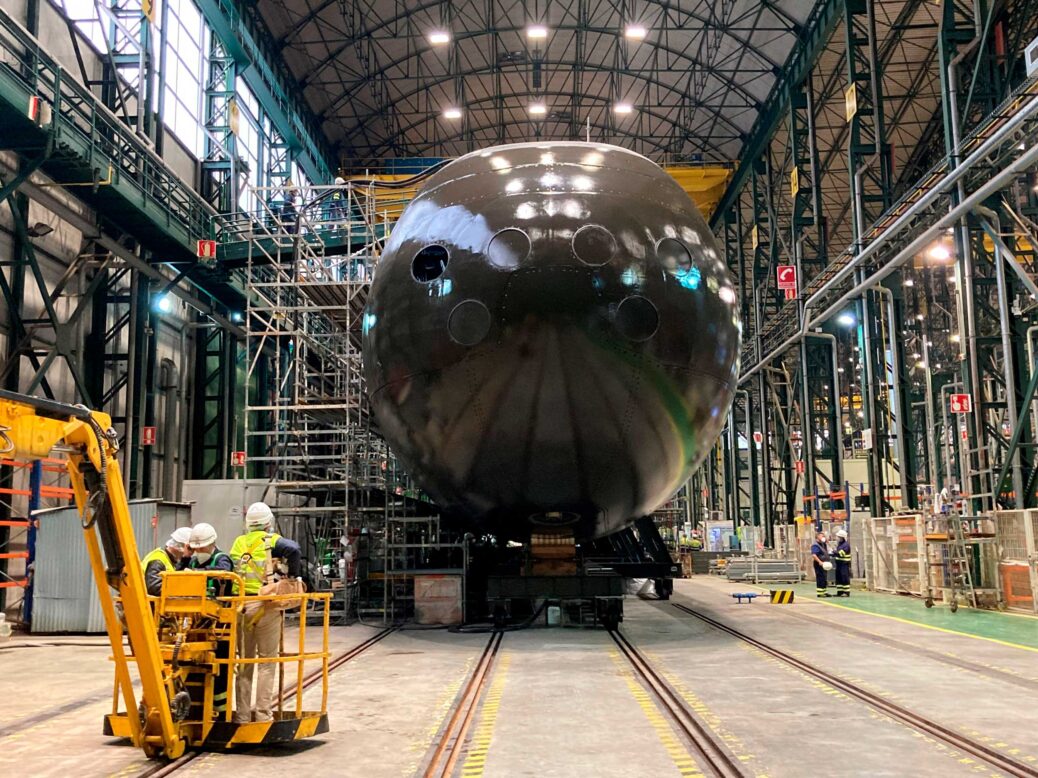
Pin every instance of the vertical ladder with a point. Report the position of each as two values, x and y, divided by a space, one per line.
960 574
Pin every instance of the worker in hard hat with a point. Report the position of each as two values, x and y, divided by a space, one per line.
205 556
166 559
254 555
822 564
843 564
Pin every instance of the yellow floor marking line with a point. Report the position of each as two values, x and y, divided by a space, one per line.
706 715
418 748
931 626
1008 643
476 755
687 766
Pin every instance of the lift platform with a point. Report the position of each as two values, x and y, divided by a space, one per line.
183 642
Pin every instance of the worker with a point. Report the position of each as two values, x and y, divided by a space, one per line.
697 543
822 565
206 556
843 564
166 559
259 628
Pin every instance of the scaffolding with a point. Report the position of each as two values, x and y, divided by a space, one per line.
331 478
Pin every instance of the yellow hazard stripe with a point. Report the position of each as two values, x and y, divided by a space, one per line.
479 745
781 596
679 755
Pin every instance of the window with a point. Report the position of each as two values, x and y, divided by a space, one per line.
186 40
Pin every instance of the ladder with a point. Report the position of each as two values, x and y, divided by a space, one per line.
960 574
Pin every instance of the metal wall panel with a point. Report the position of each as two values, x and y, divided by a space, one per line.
64 596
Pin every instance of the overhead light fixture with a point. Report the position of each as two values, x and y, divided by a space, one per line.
451 113
846 320
635 32
622 108
164 303
939 252
537 109
237 317
39 229
536 32
439 37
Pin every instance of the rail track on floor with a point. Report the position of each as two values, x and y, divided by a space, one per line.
159 770
452 739
712 757
1004 763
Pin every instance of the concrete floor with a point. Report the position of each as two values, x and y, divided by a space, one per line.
563 702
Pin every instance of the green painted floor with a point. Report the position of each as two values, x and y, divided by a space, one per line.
1018 629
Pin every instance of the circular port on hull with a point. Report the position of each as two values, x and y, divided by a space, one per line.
637 318
508 249
469 323
594 245
429 263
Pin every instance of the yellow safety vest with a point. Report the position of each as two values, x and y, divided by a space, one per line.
249 554
158 555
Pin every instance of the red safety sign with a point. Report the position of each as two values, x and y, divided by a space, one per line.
147 436
800 466
786 275
758 438
960 403
965 435
237 459
206 249
34 108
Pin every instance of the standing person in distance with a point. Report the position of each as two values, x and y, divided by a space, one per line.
165 559
822 565
843 564
260 628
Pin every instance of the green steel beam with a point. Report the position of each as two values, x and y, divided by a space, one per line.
817 31
263 68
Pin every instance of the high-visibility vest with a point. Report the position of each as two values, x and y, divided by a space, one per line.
249 554
209 564
158 555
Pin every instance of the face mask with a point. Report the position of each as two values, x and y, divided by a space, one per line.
202 557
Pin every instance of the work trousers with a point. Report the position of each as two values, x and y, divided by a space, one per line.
843 579
821 581
257 638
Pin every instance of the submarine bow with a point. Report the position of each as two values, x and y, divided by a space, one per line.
551 338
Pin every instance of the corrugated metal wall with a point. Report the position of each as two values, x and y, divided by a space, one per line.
64 596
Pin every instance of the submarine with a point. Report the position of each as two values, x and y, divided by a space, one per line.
551 339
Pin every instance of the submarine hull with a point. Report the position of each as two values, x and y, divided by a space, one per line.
551 338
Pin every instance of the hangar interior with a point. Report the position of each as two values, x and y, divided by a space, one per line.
198 200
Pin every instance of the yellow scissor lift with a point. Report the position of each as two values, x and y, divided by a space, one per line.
185 639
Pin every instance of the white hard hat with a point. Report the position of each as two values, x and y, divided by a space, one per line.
202 535
258 515
181 537
841 533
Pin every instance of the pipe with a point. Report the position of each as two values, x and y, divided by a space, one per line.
1008 363
900 423
169 385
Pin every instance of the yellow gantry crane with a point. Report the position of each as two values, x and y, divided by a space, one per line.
181 642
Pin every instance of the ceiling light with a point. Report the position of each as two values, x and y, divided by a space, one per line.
439 37
451 113
939 252
634 32
622 108
164 303
845 320
909 282
536 32
537 109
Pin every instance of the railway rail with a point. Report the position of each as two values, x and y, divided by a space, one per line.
1004 763
710 754
451 740
169 768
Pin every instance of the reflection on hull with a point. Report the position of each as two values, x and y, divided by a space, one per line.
551 338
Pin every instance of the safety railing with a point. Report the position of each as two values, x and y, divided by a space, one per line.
1007 134
97 139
